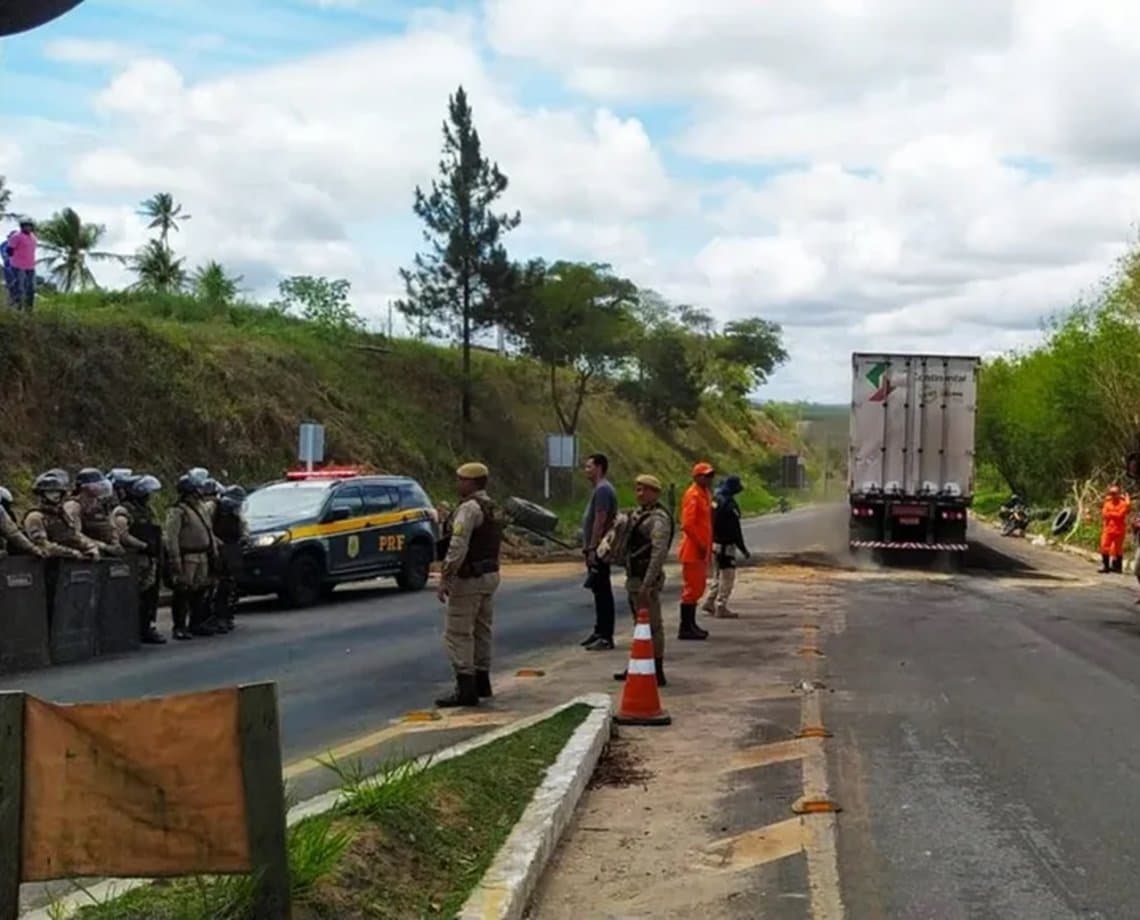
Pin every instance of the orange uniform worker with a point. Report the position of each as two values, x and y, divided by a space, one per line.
1114 517
696 548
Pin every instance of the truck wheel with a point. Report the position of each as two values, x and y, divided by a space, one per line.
416 568
530 515
302 582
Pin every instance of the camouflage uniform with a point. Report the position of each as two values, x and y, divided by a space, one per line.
57 535
652 532
12 539
470 575
189 547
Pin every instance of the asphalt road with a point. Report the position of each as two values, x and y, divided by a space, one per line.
347 667
984 753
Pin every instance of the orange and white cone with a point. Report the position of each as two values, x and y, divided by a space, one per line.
640 700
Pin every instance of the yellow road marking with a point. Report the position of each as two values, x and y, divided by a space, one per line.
765 754
755 848
375 739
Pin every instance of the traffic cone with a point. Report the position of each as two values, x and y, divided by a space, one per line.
640 701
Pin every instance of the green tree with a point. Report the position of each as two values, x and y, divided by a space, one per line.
157 269
164 214
577 319
70 245
458 285
5 198
319 300
213 286
747 351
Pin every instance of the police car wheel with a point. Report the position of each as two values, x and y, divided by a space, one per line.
416 568
302 582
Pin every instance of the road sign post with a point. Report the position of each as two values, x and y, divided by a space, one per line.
561 454
311 444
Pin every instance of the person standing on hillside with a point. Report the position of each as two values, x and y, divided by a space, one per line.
468 580
696 548
22 253
1114 517
10 283
728 540
600 513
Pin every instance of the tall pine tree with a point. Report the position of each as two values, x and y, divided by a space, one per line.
455 286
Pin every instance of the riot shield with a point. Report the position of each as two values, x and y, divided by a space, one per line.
23 615
118 618
74 620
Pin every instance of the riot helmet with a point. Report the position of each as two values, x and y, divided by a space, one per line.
187 485
142 488
232 498
51 486
210 488
6 499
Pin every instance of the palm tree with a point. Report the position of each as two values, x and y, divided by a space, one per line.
214 286
70 245
158 270
164 214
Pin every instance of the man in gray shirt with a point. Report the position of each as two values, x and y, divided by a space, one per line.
599 516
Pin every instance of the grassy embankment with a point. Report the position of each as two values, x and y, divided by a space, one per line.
414 844
162 383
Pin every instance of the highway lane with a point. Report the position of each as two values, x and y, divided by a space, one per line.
370 654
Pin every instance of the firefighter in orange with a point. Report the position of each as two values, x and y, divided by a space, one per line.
1114 516
696 548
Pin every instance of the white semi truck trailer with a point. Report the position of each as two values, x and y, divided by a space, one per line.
911 457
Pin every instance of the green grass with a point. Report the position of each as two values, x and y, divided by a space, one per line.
411 841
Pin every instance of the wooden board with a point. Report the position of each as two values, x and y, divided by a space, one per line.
148 788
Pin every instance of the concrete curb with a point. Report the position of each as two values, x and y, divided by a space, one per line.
67 905
509 883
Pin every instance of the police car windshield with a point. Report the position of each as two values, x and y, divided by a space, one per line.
285 503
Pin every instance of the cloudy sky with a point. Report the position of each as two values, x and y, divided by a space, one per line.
872 174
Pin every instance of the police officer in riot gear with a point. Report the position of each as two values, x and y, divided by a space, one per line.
231 532
91 509
138 530
12 539
49 526
189 546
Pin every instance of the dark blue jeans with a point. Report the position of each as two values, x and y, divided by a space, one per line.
25 289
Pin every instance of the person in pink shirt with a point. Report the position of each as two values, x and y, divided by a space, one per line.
22 256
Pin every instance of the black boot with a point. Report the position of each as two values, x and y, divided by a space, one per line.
1118 564
483 684
1105 565
466 693
620 676
660 663
152 636
689 628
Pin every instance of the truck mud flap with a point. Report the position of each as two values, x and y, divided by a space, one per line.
118 619
23 615
74 619
932 547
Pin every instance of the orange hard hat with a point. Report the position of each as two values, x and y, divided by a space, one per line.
703 469
1114 490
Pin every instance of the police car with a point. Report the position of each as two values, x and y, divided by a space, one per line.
316 529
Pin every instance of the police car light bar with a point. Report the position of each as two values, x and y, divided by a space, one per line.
328 472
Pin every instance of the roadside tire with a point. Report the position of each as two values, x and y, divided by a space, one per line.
302 582
416 568
530 515
1063 521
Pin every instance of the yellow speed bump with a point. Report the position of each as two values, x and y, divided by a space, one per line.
813 731
810 651
421 715
815 806
530 672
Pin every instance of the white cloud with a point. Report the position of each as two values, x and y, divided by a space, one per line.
86 51
902 223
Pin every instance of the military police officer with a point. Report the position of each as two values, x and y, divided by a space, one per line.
91 508
50 527
137 529
468 580
189 545
231 533
12 539
651 532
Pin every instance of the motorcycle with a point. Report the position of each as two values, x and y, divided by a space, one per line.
1014 516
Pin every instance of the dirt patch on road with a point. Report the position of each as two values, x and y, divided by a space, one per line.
620 765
